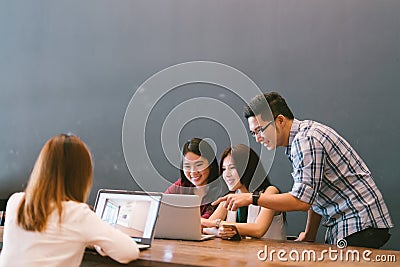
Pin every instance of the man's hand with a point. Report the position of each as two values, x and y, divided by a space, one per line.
234 201
310 234
304 238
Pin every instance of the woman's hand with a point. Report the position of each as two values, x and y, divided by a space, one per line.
226 232
207 223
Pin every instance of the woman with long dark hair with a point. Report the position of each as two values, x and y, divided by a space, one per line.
199 168
239 165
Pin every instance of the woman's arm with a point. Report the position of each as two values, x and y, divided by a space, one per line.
106 239
220 213
259 227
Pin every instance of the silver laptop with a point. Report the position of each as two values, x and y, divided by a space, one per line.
134 213
179 218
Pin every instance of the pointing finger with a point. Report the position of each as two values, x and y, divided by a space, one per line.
219 200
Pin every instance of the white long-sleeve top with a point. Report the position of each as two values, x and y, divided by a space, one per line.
62 244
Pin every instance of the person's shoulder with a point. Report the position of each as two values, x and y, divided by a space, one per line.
310 127
174 188
313 130
13 202
178 182
16 197
326 135
77 207
77 213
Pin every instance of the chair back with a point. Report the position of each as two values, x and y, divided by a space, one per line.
3 205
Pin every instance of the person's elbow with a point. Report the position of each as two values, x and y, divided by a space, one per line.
303 206
259 233
296 204
258 230
132 255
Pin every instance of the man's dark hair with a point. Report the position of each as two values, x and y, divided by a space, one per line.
259 105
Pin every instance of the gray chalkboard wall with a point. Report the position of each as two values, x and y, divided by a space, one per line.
73 66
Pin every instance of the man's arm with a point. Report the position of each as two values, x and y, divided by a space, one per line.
282 202
313 221
278 202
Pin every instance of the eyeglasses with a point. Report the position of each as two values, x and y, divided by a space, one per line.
262 129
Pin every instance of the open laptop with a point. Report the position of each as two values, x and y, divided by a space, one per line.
179 218
134 213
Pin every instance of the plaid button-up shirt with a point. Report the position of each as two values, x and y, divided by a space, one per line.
330 176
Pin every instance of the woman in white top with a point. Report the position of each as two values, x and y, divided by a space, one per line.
239 165
50 224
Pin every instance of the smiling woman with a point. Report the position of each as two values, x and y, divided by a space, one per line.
196 169
199 168
239 165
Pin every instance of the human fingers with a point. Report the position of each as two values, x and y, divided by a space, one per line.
228 201
219 200
226 233
231 203
234 207
301 237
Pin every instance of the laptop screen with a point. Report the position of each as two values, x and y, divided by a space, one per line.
134 213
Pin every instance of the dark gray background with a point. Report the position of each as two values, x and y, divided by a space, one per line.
72 66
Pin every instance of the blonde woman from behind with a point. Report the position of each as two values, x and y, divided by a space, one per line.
50 224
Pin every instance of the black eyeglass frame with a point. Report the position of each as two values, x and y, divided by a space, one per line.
262 129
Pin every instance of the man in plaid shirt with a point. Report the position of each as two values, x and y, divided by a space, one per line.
331 181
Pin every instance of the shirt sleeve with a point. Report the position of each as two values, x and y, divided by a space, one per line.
207 210
108 240
308 159
175 188
171 189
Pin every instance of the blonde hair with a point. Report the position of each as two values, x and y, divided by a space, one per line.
63 171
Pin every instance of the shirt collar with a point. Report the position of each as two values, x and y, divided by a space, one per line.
293 131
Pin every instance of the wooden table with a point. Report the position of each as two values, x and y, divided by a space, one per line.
225 253
217 252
